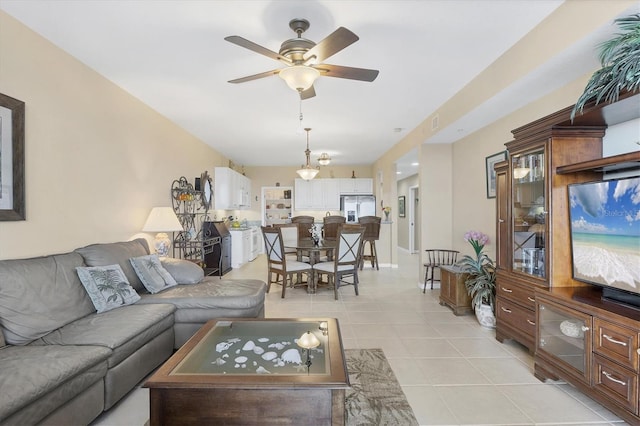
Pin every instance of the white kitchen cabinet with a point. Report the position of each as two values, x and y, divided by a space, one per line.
240 247
303 194
232 190
243 185
317 194
356 186
331 194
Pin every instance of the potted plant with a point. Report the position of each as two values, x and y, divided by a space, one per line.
620 60
481 283
387 211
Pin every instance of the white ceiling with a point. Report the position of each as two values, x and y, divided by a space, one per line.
172 55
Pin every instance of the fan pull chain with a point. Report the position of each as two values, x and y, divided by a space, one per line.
300 129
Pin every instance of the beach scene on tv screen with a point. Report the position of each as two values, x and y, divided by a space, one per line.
605 233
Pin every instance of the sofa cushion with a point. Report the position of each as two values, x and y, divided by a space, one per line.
152 274
39 295
117 253
47 376
123 330
211 296
183 271
107 287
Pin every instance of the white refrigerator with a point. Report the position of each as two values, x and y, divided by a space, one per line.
356 206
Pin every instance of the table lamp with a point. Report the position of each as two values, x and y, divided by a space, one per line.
308 341
162 220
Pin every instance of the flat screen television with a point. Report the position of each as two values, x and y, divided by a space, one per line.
605 236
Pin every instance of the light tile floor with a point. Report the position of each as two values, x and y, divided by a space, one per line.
452 370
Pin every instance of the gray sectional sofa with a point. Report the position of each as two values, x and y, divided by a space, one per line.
62 362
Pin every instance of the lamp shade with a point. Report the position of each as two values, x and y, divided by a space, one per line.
308 340
299 77
307 173
162 219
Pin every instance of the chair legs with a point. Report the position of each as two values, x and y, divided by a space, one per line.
285 280
426 277
338 279
373 256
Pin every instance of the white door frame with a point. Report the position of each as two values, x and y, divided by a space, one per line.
413 195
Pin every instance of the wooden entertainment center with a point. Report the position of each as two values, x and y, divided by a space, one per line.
573 333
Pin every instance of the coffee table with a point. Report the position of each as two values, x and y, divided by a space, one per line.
251 371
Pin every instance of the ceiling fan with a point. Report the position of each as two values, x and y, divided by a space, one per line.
303 59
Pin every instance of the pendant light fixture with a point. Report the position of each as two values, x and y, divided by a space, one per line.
324 159
307 172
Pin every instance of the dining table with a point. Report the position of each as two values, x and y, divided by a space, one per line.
307 247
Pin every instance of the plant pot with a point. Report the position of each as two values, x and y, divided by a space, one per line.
485 316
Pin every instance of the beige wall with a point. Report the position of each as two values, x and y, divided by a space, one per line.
97 159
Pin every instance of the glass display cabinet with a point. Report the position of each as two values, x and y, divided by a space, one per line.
564 336
529 210
532 217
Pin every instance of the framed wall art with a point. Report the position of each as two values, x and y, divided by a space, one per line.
491 174
401 206
11 159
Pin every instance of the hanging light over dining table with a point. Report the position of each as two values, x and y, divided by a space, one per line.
307 172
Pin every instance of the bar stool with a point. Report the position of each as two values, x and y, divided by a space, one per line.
304 226
330 226
371 234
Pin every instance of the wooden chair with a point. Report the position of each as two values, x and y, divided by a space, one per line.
346 258
289 233
304 225
371 234
278 263
330 226
435 259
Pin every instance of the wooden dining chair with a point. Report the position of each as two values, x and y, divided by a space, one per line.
280 268
346 258
289 236
435 259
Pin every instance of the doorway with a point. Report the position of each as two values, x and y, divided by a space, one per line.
414 218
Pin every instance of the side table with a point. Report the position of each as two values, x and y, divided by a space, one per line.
453 292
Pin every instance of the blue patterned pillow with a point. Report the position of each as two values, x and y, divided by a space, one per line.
152 274
107 287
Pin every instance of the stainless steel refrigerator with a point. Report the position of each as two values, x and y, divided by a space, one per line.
356 206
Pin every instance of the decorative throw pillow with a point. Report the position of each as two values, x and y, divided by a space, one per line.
107 287
183 271
150 271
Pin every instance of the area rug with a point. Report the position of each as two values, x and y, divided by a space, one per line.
375 397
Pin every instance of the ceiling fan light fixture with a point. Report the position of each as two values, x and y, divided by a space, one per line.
324 159
299 77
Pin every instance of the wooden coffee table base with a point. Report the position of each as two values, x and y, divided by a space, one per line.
247 406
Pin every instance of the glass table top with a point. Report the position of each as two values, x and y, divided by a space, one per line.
257 348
